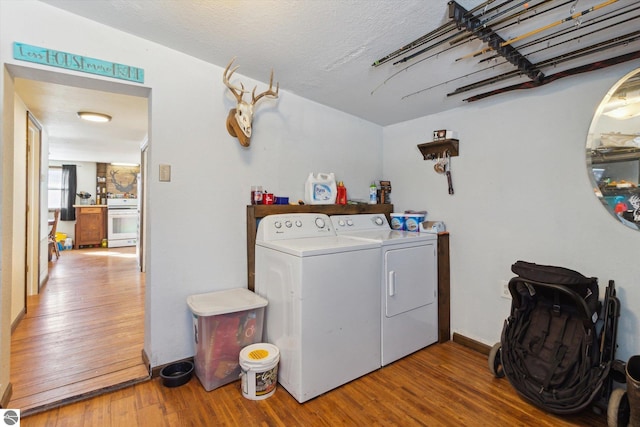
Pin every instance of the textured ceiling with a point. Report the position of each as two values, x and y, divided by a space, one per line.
323 50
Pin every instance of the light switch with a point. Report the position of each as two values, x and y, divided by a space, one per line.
165 173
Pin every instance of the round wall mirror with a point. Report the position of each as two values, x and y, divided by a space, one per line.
613 151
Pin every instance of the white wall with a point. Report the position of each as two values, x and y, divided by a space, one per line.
196 241
521 193
197 222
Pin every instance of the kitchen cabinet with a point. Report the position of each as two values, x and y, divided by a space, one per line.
101 183
91 225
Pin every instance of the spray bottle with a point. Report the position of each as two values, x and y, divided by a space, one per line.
373 194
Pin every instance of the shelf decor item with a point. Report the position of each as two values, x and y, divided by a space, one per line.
84 197
441 151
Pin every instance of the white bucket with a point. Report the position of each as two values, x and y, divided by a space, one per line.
259 363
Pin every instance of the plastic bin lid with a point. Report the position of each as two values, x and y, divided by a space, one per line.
222 302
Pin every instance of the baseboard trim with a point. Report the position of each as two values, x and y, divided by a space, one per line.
155 371
147 362
19 318
6 396
471 343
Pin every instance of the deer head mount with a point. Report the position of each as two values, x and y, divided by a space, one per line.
240 118
121 186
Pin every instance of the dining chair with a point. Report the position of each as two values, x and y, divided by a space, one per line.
53 244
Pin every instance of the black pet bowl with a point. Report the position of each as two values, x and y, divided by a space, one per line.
176 374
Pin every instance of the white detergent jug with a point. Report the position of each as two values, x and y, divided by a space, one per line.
320 189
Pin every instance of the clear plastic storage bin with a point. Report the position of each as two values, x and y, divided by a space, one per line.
224 322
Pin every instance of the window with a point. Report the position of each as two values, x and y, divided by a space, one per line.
55 187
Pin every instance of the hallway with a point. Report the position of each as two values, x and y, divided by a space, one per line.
83 334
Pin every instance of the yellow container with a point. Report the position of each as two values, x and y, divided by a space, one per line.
60 237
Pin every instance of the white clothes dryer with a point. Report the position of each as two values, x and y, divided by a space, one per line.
323 309
409 282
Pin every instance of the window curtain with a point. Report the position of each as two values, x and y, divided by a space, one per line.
69 184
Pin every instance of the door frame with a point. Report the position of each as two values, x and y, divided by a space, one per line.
33 192
13 71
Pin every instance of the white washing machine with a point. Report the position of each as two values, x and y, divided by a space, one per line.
324 302
409 282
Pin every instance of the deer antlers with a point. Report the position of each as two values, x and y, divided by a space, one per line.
270 93
240 118
235 90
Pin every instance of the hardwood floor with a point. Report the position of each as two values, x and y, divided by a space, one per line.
83 333
442 385
88 321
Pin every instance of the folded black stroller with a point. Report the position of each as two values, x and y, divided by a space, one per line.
558 344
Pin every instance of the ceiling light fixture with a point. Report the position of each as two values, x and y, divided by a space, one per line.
94 117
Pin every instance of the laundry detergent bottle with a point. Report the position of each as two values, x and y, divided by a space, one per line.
320 189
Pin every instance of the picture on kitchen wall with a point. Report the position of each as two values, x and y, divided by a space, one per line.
122 181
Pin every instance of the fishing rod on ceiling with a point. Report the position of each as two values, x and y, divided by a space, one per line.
518 19
495 41
505 49
434 35
573 71
493 32
458 34
481 25
509 42
584 25
475 27
515 73
598 47
552 62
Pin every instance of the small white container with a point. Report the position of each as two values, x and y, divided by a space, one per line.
412 221
397 221
224 322
259 363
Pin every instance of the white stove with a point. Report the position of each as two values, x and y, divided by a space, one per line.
122 222
121 203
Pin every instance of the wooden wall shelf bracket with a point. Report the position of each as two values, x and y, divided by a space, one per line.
436 149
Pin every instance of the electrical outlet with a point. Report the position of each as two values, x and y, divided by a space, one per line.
504 289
